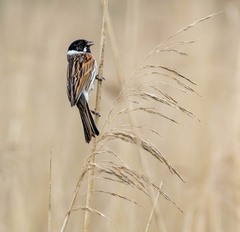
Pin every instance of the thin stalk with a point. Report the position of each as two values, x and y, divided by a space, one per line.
97 109
50 195
74 198
153 209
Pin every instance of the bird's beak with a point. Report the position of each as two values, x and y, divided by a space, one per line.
90 43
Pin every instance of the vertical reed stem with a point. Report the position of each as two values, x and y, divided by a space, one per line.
50 195
97 109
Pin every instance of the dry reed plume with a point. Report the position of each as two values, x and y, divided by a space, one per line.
135 97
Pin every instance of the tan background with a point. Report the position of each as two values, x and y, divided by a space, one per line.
36 118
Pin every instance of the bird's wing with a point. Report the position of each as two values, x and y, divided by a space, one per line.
79 75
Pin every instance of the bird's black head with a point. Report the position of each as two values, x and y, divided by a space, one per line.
81 45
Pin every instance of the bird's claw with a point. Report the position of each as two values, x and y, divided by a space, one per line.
100 79
96 113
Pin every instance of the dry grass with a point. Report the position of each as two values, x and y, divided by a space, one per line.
142 125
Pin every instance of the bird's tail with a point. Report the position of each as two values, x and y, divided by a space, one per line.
89 126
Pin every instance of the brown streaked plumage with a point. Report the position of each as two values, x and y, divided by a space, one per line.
81 74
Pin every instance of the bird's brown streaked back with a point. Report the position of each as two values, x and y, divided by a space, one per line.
79 78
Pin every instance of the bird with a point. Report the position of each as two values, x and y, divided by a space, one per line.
81 75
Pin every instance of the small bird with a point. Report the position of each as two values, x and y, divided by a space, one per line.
81 75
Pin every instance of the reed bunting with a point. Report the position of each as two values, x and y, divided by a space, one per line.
81 75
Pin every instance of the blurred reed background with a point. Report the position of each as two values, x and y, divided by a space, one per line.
37 120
